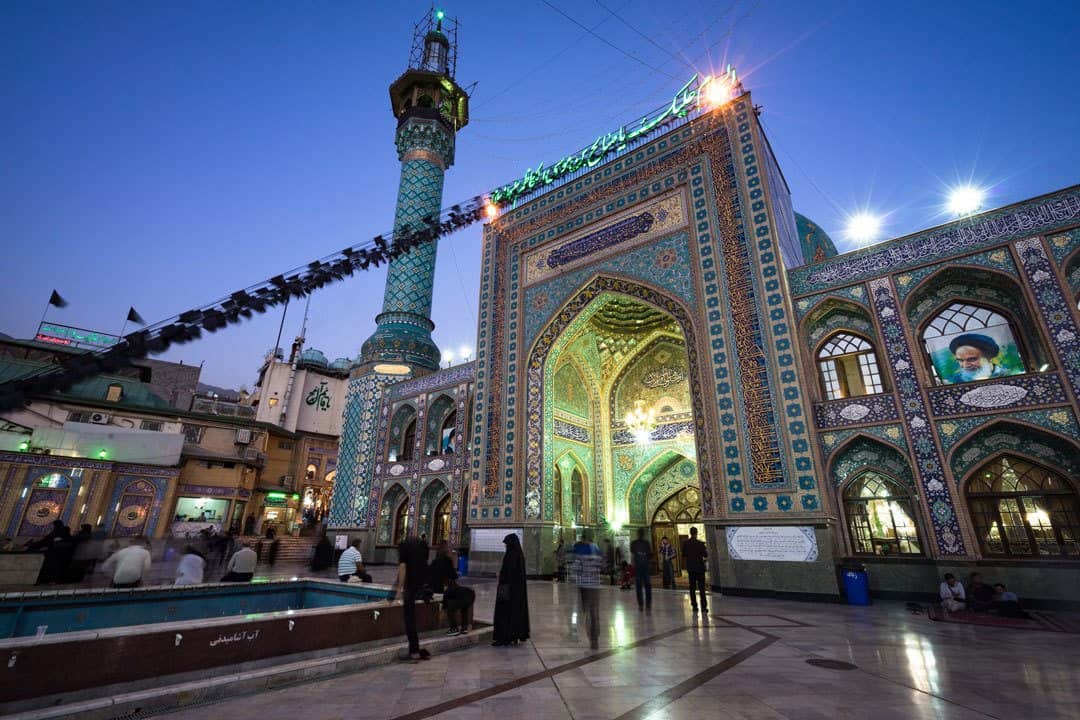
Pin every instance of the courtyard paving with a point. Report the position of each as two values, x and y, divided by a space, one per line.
747 659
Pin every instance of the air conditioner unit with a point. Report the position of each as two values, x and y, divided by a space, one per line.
288 481
100 418
243 436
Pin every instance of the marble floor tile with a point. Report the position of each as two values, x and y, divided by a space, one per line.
746 663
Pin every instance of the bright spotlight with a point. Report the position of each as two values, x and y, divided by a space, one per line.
717 92
464 352
966 200
448 356
863 228
491 210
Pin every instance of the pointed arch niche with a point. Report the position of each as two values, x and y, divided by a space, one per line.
393 521
876 493
615 342
1021 485
440 437
974 324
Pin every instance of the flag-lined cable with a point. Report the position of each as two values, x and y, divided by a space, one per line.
242 304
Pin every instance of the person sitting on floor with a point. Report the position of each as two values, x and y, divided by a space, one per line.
1007 603
980 595
951 592
241 567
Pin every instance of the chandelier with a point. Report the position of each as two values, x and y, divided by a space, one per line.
641 422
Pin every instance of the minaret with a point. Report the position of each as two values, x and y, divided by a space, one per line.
430 108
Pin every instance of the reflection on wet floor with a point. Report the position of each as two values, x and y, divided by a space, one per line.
747 660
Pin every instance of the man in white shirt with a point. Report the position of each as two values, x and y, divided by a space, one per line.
349 561
952 594
129 565
241 567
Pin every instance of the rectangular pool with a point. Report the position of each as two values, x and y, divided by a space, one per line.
22 614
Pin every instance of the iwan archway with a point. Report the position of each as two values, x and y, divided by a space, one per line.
614 411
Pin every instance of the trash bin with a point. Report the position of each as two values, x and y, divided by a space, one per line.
856 584
463 564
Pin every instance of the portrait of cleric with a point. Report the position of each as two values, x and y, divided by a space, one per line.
970 356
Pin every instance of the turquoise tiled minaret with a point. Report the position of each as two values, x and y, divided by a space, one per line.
430 108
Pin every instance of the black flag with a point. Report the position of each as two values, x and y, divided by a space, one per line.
57 301
135 317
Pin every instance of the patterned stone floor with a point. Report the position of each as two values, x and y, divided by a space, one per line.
747 660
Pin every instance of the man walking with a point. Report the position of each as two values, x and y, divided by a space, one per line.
641 553
130 565
241 567
694 554
588 568
667 558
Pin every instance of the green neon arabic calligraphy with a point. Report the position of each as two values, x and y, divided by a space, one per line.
319 397
606 144
79 336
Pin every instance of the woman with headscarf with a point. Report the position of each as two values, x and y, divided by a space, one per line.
511 600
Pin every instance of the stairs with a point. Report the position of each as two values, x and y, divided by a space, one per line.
290 549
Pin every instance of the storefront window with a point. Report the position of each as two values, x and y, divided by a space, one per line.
207 510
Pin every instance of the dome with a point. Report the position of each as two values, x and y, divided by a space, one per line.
341 363
815 242
312 356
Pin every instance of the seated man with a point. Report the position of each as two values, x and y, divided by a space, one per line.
457 600
951 592
982 595
1006 603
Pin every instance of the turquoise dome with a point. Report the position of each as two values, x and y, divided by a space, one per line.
816 243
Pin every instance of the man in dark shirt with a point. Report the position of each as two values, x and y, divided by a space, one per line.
694 554
412 574
641 553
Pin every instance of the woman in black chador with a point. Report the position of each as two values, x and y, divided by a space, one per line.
511 602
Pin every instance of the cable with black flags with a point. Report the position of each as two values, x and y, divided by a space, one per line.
242 304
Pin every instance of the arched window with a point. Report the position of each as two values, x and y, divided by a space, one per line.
401 522
577 497
880 516
849 367
1022 509
440 530
968 342
448 434
408 440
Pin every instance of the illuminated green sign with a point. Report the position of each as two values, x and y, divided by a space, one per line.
275 496
713 90
75 337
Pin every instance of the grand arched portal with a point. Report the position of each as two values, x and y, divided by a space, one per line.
617 427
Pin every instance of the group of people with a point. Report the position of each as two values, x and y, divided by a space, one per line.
587 567
71 557
417 580
979 596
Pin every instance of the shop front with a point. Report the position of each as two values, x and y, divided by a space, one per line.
279 513
205 507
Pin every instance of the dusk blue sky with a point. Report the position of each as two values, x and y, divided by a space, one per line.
162 155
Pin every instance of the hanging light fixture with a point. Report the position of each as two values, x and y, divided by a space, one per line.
641 422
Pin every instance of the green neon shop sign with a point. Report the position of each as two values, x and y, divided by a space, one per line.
711 90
